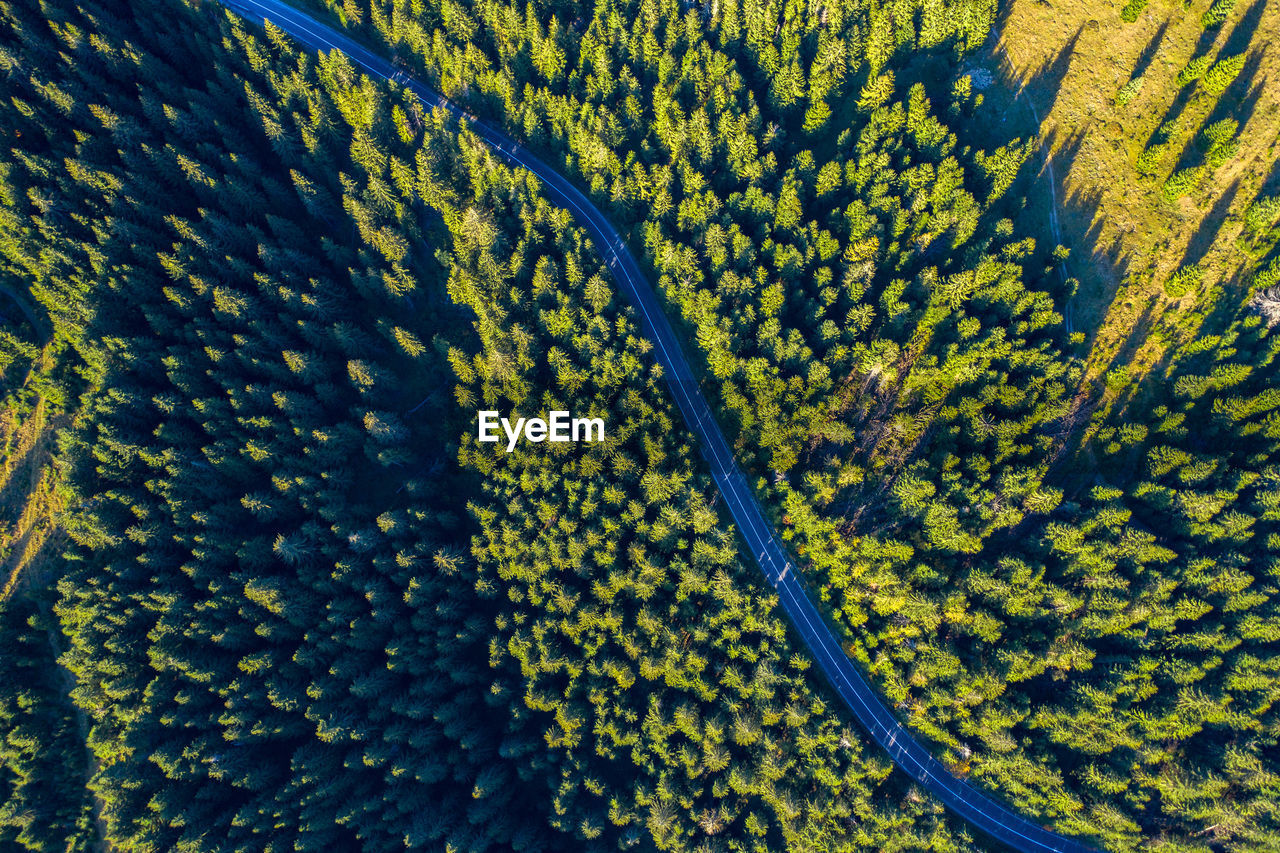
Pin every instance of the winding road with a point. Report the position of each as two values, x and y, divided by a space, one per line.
27 311
907 753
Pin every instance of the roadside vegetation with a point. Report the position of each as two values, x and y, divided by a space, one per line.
301 609
1017 548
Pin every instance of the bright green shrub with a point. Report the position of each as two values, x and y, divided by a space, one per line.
1217 14
1262 213
1132 10
1220 140
1183 281
1219 77
1129 91
1194 70
1181 182
1149 159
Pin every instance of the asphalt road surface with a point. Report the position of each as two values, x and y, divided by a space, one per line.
914 760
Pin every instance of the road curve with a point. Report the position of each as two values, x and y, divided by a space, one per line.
27 311
912 757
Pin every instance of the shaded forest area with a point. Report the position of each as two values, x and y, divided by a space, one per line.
305 610
294 620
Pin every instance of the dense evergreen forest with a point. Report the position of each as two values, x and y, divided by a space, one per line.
285 633
1068 587
260 298
42 757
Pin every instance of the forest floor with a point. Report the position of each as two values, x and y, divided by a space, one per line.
1057 68
29 498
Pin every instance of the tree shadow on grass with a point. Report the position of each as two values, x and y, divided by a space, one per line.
1150 52
1243 30
1100 265
1239 102
1139 331
1237 42
37 569
18 484
1272 182
1069 472
1224 303
1043 85
1207 233
1027 99
1226 306
1058 209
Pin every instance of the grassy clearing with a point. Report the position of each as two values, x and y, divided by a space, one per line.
1066 74
30 498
